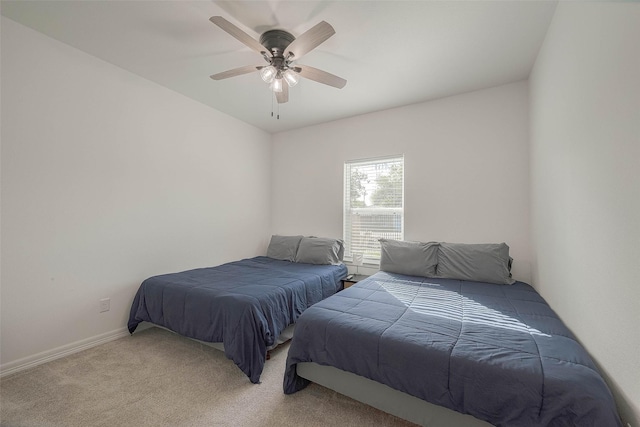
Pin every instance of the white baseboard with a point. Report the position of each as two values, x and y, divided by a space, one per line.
56 353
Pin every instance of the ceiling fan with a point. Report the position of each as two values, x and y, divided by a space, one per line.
280 48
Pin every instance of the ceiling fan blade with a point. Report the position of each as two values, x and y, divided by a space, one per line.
310 39
238 33
283 96
236 72
320 76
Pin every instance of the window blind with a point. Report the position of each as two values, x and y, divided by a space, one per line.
373 205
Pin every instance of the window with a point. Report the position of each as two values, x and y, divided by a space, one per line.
373 205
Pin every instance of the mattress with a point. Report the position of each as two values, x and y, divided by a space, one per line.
245 304
496 352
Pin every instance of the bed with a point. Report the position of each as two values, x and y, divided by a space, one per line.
244 305
493 350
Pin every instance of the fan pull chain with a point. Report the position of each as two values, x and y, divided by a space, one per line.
277 113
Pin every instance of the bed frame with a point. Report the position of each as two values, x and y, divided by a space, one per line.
284 336
386 398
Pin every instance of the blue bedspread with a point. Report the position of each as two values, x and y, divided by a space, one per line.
497 352
244 304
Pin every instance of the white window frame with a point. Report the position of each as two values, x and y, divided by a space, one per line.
368 246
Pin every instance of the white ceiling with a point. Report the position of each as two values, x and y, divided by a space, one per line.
391 53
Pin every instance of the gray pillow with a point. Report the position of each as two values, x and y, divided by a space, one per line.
320 250
483 262
412 258
284 248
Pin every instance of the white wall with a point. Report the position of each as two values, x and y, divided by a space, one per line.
466 169
107 179
585 180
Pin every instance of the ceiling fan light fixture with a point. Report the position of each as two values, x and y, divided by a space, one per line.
279 49
268 73
276 85
291 77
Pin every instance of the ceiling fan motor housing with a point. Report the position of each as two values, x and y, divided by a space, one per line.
276 41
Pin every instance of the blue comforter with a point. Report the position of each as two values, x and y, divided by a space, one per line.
244 304
497 352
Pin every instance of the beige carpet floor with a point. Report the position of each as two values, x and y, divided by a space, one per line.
157 378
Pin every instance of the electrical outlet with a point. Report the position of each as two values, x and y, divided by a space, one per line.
105 305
